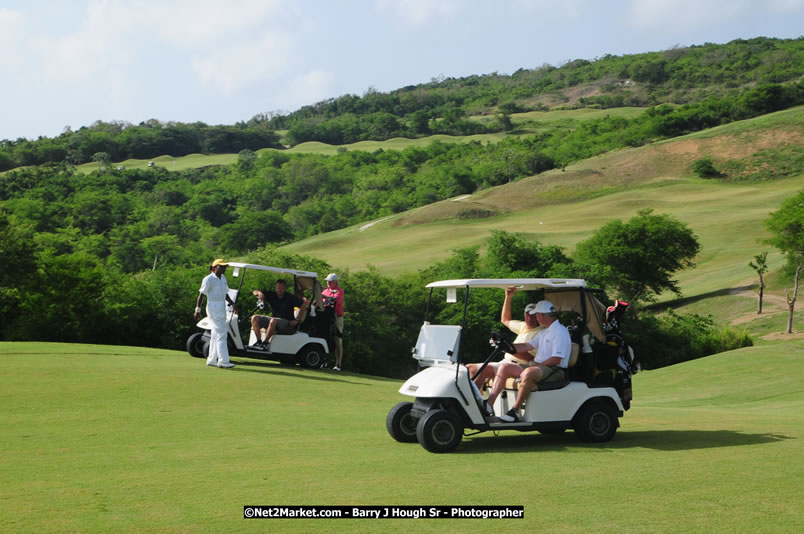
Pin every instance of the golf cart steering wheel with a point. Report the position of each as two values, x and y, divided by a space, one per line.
499 342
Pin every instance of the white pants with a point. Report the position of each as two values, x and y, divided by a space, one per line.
218 349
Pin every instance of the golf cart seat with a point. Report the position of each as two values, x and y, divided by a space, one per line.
299 316
513 383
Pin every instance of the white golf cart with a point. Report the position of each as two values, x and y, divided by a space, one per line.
447 402
308 346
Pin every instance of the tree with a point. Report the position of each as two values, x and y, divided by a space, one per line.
504 122
254 229
760 265
787 225
104 158
511 254
420 122
704 168
638 258
164 249
246 159
19 262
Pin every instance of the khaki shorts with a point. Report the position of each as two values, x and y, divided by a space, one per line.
282 325
554 374
339 326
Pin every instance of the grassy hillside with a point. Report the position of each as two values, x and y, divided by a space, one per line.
130 439
526 123
563 207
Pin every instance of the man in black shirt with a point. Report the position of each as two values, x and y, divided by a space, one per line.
283 306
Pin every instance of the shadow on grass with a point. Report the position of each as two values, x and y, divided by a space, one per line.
677 303
278 369
661 440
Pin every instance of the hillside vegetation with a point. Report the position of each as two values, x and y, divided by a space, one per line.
727 214
444 106
561 207
124 439
124 247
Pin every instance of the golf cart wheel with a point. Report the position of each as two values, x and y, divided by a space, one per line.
311 357
400 424
439 431
195 345
596 422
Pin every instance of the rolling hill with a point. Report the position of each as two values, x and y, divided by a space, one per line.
562 207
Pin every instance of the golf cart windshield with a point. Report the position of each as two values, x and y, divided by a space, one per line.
302 280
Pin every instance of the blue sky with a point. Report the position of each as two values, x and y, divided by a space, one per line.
70 63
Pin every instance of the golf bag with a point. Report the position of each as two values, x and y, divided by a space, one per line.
615 361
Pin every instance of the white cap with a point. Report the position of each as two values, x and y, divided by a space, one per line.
332 277
543 306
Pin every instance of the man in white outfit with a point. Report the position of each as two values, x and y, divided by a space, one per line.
216 289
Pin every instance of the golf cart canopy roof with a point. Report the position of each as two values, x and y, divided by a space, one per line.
277 270
559 291
527 284
301 279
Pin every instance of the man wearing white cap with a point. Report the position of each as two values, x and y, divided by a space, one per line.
525 331
334 293
553 347
216 289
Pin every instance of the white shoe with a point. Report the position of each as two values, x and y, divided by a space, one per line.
226 365
212 364
336 368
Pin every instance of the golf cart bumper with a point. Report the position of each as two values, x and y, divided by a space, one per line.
438 383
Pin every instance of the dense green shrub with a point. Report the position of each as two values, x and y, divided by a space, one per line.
672 338
704 168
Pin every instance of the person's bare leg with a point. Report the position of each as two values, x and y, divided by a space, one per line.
269 333
255 327
481 379
529 378
504 372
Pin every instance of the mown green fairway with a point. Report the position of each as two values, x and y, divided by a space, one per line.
109 439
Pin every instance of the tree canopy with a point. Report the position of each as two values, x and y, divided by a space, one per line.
639 258
787 225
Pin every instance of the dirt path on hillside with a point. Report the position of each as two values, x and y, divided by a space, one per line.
771 305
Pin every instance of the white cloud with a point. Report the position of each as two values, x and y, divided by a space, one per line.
785 6
11 38
93 50
549 10
310 88
238 65
418 12
198 22
682 15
